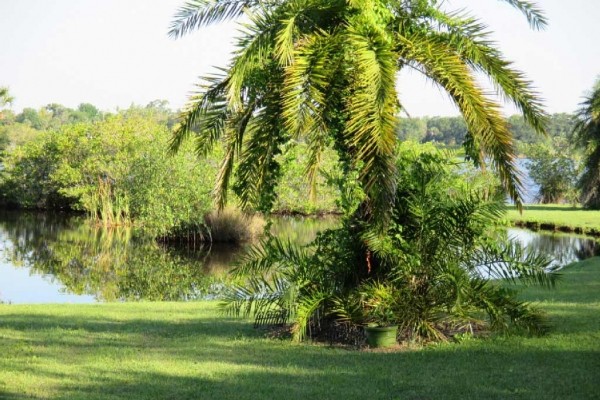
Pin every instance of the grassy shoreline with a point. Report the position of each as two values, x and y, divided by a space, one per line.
188 351
556 217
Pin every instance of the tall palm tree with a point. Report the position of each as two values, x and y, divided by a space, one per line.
325 71
587 134
5 99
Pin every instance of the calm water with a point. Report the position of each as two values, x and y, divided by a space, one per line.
61 259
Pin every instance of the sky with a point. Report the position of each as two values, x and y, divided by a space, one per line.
114 53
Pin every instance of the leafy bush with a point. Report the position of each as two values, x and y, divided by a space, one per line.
117 170
554 168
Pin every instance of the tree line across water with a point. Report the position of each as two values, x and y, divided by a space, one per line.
115 165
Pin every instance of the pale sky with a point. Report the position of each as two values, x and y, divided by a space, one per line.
113 53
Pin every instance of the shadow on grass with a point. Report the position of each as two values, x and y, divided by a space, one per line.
171 353
541 207
222 359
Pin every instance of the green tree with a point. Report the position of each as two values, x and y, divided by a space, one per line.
326 71
116 169
39 120
411 129
554 168
587 135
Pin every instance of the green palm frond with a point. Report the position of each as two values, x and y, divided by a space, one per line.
307 307
436 60
272 254
196 14
372 109
258 167
512 263
253 58
257 295
532 12
469 38
208 111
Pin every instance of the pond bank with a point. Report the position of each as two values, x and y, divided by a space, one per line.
557 218
187 351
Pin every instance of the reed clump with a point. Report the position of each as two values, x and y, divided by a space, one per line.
231 225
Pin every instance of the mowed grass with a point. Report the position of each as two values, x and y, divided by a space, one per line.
187 351
558 217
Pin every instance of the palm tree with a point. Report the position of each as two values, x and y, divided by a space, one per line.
325 71
5 97
587 135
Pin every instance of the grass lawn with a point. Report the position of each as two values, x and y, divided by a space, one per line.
558 217
186 351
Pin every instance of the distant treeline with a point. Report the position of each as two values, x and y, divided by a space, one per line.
115 165
451 131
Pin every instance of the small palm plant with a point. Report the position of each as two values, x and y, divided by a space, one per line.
443 268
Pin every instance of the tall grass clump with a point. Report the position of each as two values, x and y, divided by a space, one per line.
231 225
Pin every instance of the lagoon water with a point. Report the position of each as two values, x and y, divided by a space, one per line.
57 258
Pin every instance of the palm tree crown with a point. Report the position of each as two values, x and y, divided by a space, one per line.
325 71
587 135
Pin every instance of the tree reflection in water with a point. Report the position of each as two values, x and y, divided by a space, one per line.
564 249
111 264
117 265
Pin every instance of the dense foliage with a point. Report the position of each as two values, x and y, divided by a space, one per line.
116 169
553 167
430 275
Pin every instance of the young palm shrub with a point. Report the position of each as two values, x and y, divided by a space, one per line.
443 268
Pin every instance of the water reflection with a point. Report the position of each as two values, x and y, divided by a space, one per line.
52 258
564 249
106 264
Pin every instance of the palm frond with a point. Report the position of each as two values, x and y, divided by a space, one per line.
206 110
257 295
233 142
196 14
489 129
534 15
308 305
272 254
470 39
512 263
372 114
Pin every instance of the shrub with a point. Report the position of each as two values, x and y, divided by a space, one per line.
437 271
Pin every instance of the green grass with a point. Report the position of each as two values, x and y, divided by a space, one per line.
186 351
557 217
